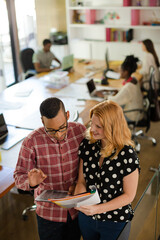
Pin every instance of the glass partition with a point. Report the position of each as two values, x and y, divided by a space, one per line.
146 221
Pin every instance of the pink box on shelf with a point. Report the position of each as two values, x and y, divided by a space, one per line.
135 16
152 2
126 3
108 34
90 16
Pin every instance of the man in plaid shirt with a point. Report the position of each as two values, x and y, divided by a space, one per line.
48 159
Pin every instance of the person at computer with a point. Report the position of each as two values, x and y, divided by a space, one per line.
109 162
48 159
150 59
130 96
43 58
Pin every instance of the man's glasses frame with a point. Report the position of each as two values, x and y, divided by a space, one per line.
54 131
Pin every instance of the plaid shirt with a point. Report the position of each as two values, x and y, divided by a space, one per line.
57 159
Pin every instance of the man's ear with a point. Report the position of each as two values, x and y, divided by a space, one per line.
67 114
42 120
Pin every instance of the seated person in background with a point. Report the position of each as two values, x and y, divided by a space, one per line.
151 59
42 59
130 96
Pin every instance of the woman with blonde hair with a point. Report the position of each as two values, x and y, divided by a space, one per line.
108 161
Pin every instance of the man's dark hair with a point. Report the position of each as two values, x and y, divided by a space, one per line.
50 107
46 41
130 64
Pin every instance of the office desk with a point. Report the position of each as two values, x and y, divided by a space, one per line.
27 114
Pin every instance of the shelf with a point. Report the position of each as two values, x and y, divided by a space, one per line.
83 25
115 8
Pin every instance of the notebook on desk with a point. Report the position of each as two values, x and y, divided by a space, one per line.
99 93
10 135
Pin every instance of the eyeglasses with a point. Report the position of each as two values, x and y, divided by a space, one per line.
53 131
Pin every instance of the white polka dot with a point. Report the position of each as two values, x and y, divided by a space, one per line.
118 164
81 144
87 169
122 153
109 216
130 160
120 208
114 175
90 158
93 165
98 216
116 158
105 190
93 148
112 186
128 169
85 164
136 162
87 152
115 212
98 186
109 195
91 176
126 211
106 179
107 162
84 175
110 168
101 184
122 217
130 150
98 175
125 161
95 154
121 171
104 201
79 152
118 182
102 173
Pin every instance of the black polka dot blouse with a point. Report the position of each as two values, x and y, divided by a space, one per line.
109 177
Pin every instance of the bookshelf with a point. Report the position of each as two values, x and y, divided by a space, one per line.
118 24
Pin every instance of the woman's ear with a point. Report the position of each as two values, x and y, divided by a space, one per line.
67 114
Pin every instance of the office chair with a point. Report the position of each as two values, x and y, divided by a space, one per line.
145 122
26 62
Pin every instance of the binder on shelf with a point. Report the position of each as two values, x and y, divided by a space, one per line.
135 16
90 16
152 2
108 34
126 3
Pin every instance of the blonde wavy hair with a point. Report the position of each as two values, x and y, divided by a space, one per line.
115 127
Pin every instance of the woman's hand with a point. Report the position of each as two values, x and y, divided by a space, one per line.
89 210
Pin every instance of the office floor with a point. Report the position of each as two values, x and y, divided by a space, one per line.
12 227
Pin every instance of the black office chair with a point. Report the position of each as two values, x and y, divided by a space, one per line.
26 62
145 122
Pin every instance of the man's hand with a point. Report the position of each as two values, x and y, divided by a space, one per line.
36 176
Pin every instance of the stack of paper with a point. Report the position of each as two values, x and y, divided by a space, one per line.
56 79
62 199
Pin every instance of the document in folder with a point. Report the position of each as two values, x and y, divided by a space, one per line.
62 199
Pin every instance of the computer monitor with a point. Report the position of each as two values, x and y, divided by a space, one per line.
67 62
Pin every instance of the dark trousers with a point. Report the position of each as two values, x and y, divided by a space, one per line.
49 230
99 230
